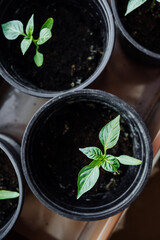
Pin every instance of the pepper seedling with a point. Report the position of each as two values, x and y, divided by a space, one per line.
5 194
14 29
133 4
108 137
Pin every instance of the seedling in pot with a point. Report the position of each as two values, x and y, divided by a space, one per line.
133 4
5 194
14 29
89 174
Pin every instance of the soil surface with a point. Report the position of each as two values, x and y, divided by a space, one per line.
70 56
143 23
8 181
56 156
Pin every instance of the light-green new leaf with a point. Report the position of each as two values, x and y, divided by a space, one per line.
30 26
110 163
25 44
109 134
12 29
48 24
5 194
127 160
87 178
133 4
44 36
38 59
92 153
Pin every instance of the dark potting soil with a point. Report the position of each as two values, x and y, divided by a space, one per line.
55 153
70 56
143 23
8 181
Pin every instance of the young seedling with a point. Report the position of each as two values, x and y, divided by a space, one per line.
89 174
5 194
133 4
14 29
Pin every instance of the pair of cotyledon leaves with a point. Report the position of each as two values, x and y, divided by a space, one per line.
133 4
14 29
89 174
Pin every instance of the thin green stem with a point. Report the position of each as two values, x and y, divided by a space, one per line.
99 163
35 42
23 34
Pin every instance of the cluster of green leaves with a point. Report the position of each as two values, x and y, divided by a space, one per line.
133 4
5 194
89 174
14 29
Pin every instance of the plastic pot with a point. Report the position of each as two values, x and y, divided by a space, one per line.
12 150
42 179
17 77
131 47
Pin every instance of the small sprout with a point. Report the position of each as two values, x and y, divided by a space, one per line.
79 80
133 4
108 137
5 194
14 29
72 84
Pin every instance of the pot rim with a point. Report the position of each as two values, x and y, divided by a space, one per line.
134 189
12 150
138 46
107 14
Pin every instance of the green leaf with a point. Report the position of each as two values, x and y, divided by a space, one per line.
44 36
30 26
38 59
127 160
48 24
87 178
95 163
5 194
25 44
12 29
109 134
133 4
92 152
110 163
